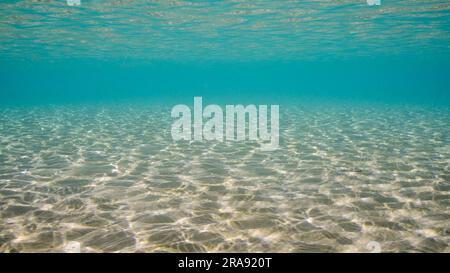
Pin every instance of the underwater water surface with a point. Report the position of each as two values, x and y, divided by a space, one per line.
87 161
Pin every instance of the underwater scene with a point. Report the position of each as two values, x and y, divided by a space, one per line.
224 126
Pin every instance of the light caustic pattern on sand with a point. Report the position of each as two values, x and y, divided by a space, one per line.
110 178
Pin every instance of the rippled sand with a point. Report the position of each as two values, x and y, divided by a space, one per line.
109 178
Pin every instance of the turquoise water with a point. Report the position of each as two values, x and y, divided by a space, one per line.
87 161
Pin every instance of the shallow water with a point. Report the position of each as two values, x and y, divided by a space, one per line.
87 161
110 178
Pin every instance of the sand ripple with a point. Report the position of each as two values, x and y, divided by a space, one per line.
109 178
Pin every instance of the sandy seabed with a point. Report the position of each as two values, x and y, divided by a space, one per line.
110 179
